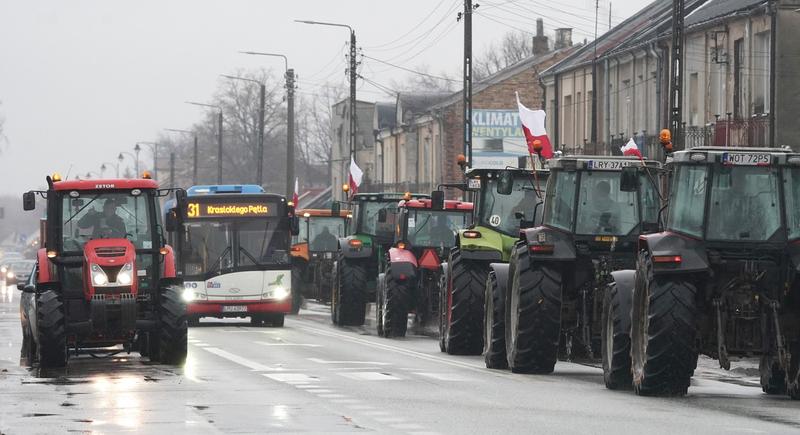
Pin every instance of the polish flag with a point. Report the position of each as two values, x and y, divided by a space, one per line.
533 127
296 194
356 175
631 149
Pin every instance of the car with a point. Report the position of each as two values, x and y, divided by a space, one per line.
17 271
27 306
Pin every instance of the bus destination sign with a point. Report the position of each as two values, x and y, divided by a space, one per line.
229 209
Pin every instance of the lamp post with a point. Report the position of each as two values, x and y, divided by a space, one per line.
115 165
290 77
121 157
353 75
194 153
90 174
154 147
261 109
219 136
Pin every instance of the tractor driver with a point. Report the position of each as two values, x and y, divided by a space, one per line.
106 223
604 208
440 233
325 241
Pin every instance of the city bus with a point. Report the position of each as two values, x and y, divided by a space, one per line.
233 245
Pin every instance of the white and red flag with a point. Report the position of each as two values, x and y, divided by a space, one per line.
296 194
356 175
533 127
631 149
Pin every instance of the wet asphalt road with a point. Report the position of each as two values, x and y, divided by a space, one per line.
310 377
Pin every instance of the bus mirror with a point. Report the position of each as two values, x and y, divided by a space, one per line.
28 201
180 198
382 215
505 183
437 200
171 220
295 223
336 208
629 179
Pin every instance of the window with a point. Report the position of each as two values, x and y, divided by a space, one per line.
744 204
560 200
500 211
687 206
760 75
603 208
569 126
791 184
694 98
104 215
323 233
435 228
738 67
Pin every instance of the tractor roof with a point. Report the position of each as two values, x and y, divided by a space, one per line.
599 163
748 156
109 184
321 212
484 172
426 204
386 196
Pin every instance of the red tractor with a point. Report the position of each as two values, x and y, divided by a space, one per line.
425 232
104 276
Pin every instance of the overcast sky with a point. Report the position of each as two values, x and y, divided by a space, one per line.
81 81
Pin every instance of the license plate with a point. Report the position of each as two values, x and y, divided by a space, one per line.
746 159
473 183
329 255
609 165
234 309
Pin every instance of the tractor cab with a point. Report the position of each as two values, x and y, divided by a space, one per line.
424 230
314 252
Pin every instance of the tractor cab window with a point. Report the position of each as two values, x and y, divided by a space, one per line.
500 211
603 208
435 228
105 215
744 204
323 233
651 202
687 205
368 217
560 199
792 192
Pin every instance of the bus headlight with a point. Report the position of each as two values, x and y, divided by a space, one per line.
125 275
188 295
99 277
279 293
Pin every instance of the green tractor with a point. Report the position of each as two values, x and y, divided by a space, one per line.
360 255
506 200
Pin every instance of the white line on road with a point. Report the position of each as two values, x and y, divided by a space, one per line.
450 377
292 377
323 361
369 376
264 343
237 359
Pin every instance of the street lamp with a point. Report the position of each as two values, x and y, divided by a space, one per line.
154 147
115 165
89 174
219 136
135 159
194 169
261 109
353 75
289 75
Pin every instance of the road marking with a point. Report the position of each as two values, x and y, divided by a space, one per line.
319 390
264 343
369 376
305 386
332 396
323 361
237 359
345 401
450 377
292 377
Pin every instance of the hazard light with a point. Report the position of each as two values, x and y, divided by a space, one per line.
146 175
667 259
345 188
355 243
472 235
56 176
401 245
542 249
407 196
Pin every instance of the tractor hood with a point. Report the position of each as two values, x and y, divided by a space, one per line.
109 267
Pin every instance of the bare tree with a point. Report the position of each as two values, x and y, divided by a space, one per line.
514 47
424 81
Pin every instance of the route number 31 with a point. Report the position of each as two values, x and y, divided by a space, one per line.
193 210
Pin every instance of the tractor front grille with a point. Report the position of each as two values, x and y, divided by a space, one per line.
107 252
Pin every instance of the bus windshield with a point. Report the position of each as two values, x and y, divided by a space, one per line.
106 215
435 228
323 233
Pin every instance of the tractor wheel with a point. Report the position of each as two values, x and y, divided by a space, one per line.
395 306
52 330
793 372
379 295
533 314
28 351
351 306
172 327
663 332
256 320
444 278
616 336
297 293
275 320
773 378
494 341
464 315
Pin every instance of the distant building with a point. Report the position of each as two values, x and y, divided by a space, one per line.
340 148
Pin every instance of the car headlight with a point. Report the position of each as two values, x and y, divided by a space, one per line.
188 295
125 275
3 269
99 277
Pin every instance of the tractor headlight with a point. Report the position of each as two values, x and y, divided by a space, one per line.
99 277
125 275
188 295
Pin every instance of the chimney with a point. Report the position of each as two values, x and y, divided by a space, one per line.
563 38
540 43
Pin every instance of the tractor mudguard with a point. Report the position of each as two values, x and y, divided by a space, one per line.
625 280
501 274
362 250
693 257
404 264
169 275
46 270
548 244
397 255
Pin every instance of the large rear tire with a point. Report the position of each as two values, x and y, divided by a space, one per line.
663 332
297 289
464 315
379 296
533 314
172 327
396 304
444 279
494 352
351 306
773 378
616 339
793 372
52 330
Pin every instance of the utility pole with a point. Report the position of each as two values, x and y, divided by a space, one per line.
219 147
467 15
194 167
676 75
262 102
353 75
594 79
172 169
290 133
